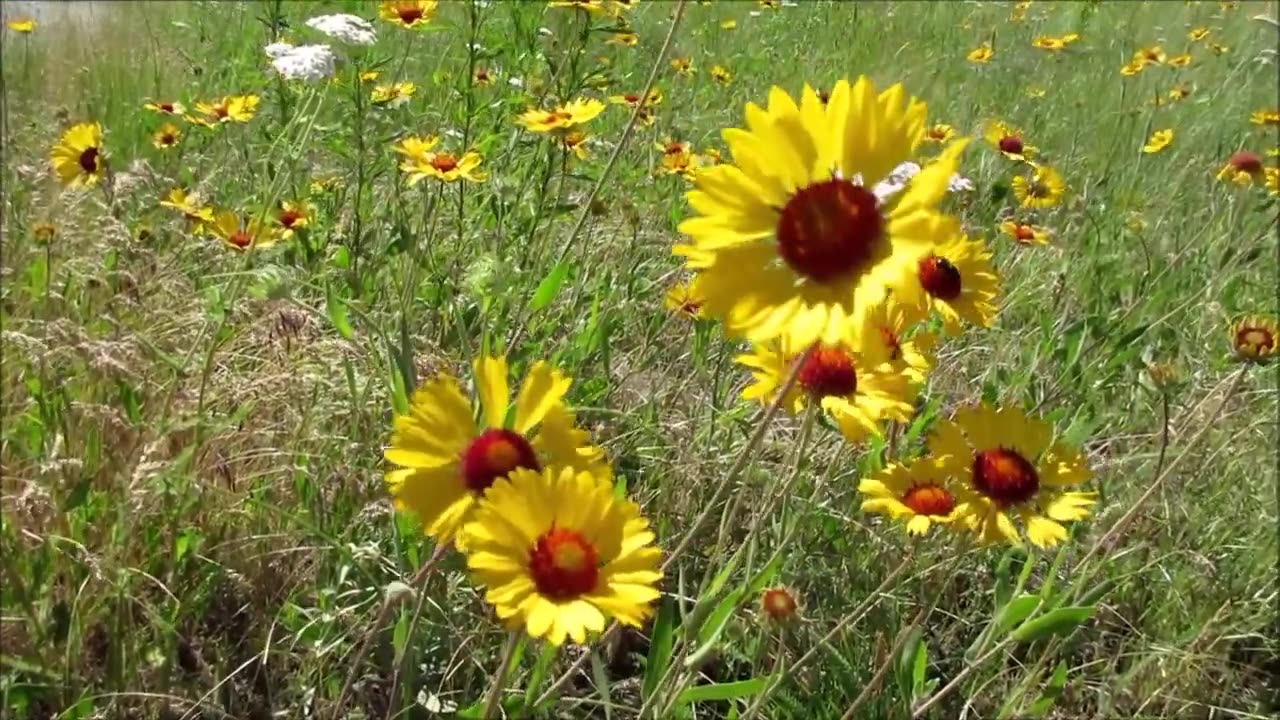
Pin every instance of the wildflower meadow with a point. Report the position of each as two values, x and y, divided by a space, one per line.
639 359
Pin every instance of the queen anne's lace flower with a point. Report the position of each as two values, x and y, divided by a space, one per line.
903 173
348 29
306 62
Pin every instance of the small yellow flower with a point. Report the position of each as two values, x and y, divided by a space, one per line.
291 217
684 299
235 108
939 133
623 37
683 67
1219 49
981 55
1265 117
1043 188
677 159
1153 55
728 24
653 99
165 108
394 95
1025 234
1179 92
1133 67
1160 139
444 166
562 118
1046 42
576 143
1198 34
326 184
190 206
22 25
482 77
1019 11
408 13
241 235
79 158
721 74
44 233
369 76
1009 140
1182 60
166 137
921 493
1255 338
1272 181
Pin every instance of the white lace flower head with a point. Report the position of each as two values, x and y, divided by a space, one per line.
344 28
306 62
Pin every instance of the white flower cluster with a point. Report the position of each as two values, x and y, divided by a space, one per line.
348 29
303 62
902 175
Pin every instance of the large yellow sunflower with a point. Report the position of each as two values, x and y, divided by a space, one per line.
445 463
789 238
857 390
957 279
558 552
922 493
1005 464
78 158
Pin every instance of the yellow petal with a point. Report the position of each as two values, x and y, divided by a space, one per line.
491 386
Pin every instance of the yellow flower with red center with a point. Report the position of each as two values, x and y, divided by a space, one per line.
168 136
911 355
1179 92
677 159
1255 338
1054 44
394 95
956 279
981 55
24 26
1003 464
721 74
921 493
190 206
1242 168
559 553
1182 60
411 14
1024 233
652 99
940 133
857 390
1198 34
1041 188
240 234
594 7
166 107
789 239
1159 140
683 67
576 143
1008 140
684 299
482 77
421 161
1153 55
1133 67
562 118
292 217
779 604
1265 117
444 463
234 108
79 158
625 38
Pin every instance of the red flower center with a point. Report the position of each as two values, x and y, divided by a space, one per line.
220 111
1255 338
167 107
674 148
937 134
829 372
564 565
444 162
631 98
557 118
829 230
940 278
929 499
1011 144
890 339
1246 162
289 217
482 75
778 603
409 13
1024 233
89 160
240 239
494 454
1004 476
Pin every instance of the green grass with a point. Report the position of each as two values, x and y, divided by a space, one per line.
195 523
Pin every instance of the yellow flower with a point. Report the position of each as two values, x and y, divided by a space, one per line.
684 299
956 278
1272 181
677 159
789 239
1005 464
1008 140
166 137
22 25
683 67
940 133
1255 338
654 98
576 143
594 7
1019 11
1153 55
291 217
1160 139
394 95
857 390
559 552
1025 234
1133 67
1181 92
1043 188
912 356
235 108
981 55
1046 42
921 493
239 235
482 77
79 158
1265 117
44 233
1242 168
443 166
408 13
326 184
1198 34
444 463
623 37
728 24
189 206
1182 60
369 76
562 118
166 108
721 74
1219 49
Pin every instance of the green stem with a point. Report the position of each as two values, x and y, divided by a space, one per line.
491 701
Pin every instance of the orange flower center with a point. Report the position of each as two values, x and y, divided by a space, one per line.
829 230
409 13
1011 144
444 162
631 98
1246 162
829 372
937 134
494 454
168 138
1004 476
240 239
1024 233
89 160
167 107
220 111
564 565
674 148
940 278
1254 338
929 499
778 603
557 117
289 217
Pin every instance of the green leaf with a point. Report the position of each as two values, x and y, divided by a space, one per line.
1052 691
600 675
919 688
1015 611
709 633
539 674
1056 622
549 287
1011 562
905 669
336 307
659 648
722 691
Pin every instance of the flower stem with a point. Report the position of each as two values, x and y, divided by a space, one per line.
500 677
